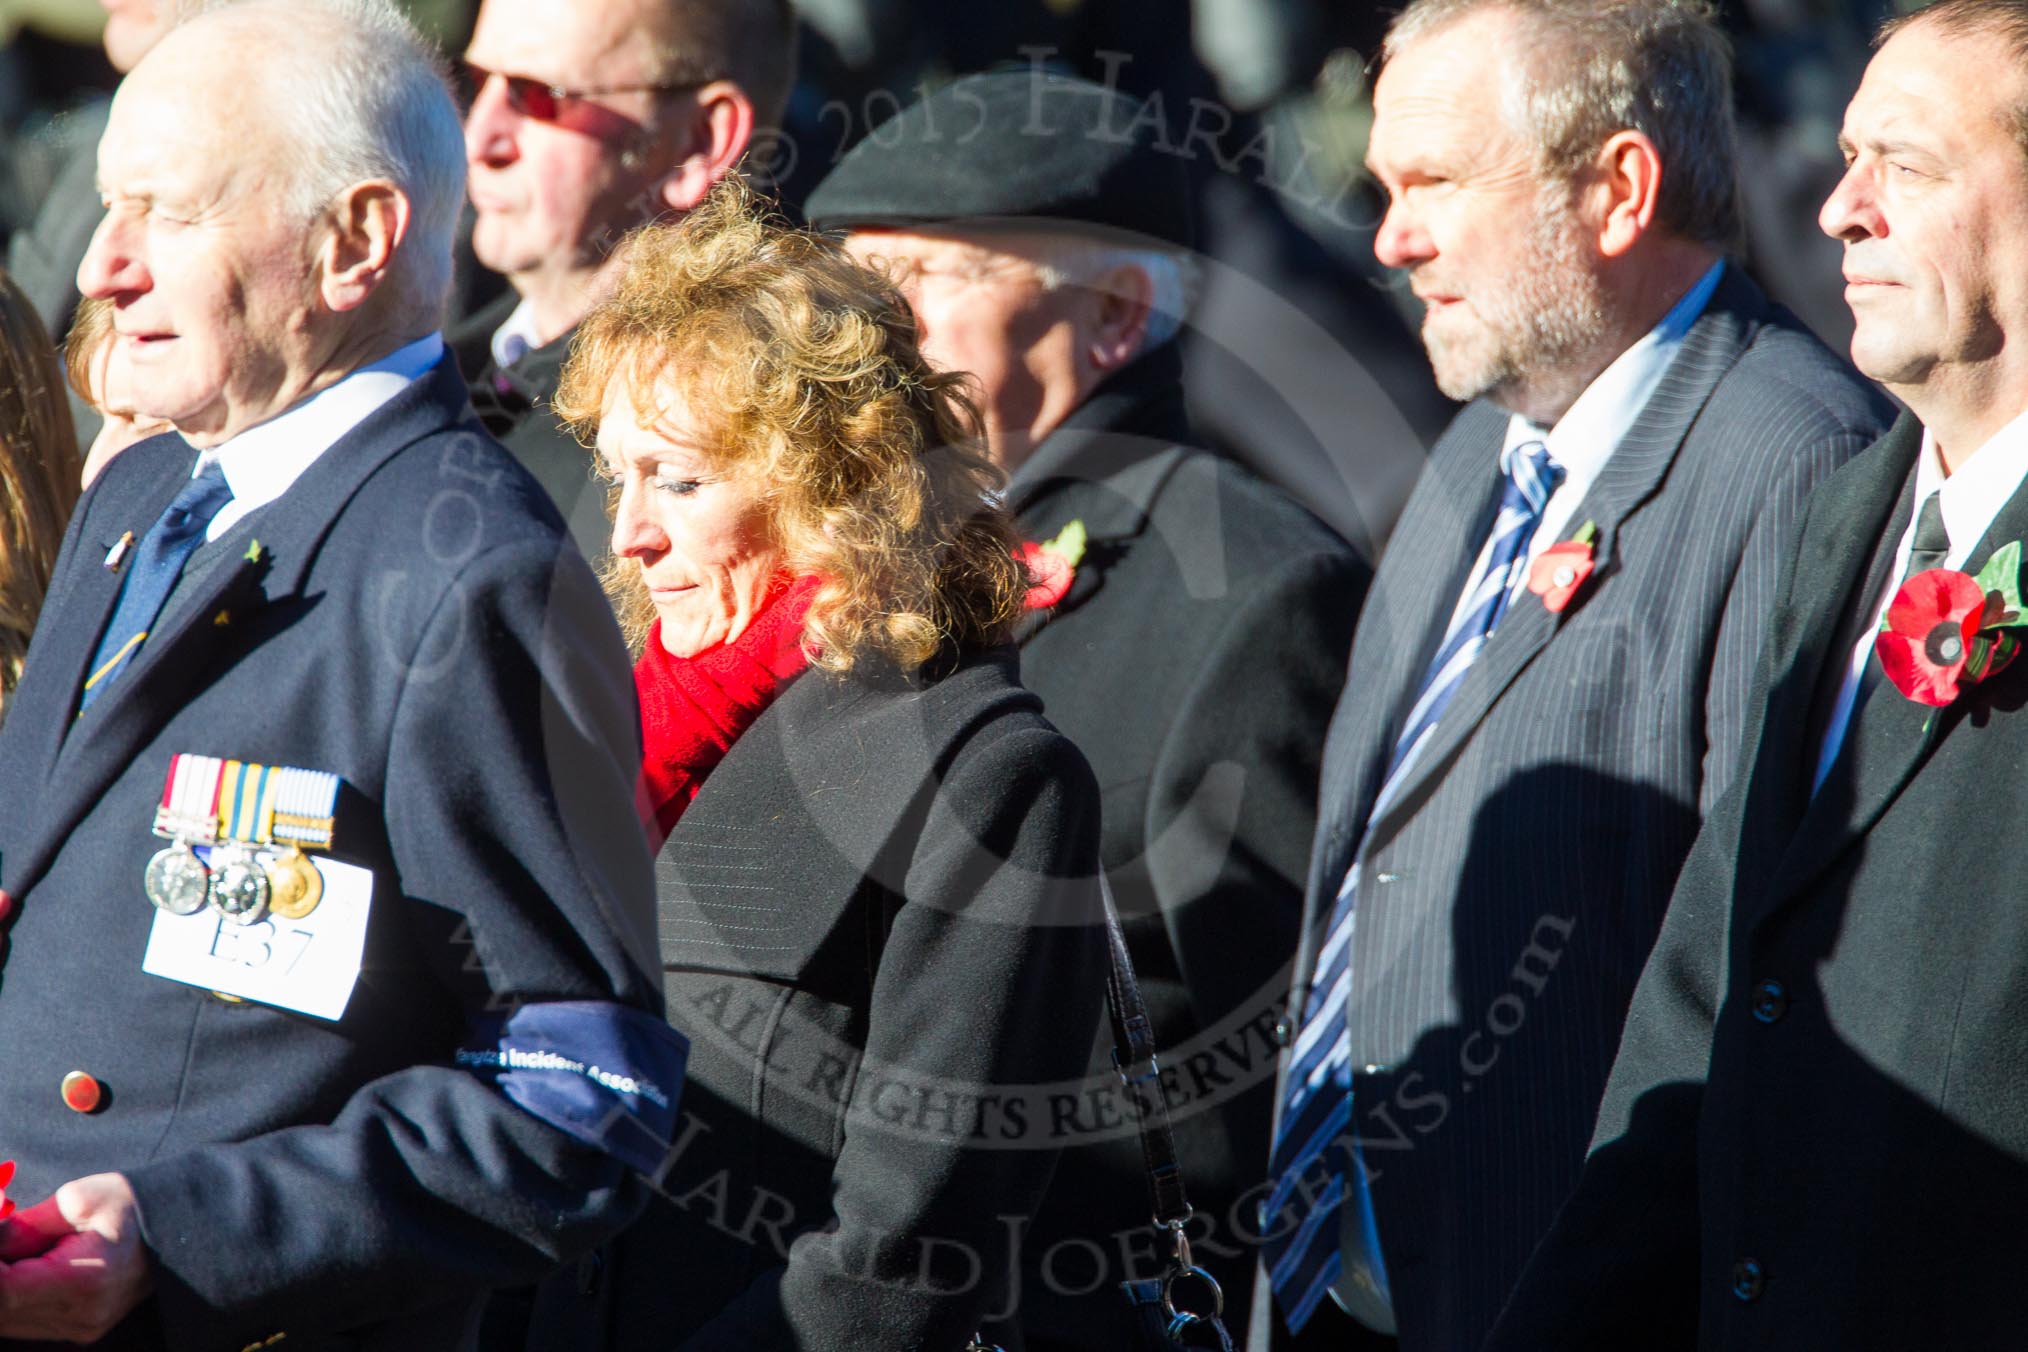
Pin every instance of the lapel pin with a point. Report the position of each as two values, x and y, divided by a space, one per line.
117 555
222 618
253 551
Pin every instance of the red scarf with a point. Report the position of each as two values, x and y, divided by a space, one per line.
693 709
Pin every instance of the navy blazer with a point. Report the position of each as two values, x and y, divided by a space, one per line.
408 616
1512 889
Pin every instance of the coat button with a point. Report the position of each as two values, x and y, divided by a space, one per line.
589 1269
82 1093
1770 1001
1748 1279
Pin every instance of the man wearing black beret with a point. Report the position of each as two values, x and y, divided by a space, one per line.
1198 634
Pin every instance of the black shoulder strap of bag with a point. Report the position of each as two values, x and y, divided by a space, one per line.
1166 1325
1134 1059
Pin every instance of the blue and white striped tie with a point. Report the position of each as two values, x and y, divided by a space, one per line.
1315 1155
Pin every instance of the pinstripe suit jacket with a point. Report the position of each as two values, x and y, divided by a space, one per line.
1513 889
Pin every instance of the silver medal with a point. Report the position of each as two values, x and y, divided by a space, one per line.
239 885
177 880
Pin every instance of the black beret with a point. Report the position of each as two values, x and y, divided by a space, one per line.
1010 147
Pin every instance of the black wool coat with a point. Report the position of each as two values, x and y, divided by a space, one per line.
879 931
1816 1132
1195 662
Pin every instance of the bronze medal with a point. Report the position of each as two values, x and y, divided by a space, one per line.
239 886
294 885
177 880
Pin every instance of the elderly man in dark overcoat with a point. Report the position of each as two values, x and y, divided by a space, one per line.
327 1001
1193 623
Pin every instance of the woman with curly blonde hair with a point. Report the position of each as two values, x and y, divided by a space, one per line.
878 895
38 473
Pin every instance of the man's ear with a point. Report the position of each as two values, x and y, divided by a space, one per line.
1628 186
710 138
1124 297
368 222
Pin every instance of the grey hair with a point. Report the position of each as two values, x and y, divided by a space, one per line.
371 101
1596 67
1173 277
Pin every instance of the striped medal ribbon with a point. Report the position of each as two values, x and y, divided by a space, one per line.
240 890
176 880
304 818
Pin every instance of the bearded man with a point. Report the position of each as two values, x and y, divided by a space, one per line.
1548 683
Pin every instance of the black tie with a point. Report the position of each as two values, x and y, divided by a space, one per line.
1932 542
1930 545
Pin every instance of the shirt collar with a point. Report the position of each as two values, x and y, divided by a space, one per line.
516 338
261 463
1584 438
1973 496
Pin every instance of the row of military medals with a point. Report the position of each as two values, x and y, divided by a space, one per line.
256 820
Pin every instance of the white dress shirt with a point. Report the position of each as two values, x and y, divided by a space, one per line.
517 337
1586 435
1970 499
262 462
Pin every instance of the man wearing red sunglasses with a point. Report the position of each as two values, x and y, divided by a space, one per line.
587 120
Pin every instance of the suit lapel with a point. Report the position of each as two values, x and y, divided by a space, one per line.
95 748
1630 476
1890 738
1104 467
1433 550
1853 517
81 603
1113 501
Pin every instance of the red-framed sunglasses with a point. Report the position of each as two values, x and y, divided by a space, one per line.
541 101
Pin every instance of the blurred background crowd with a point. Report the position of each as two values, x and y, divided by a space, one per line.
1270 100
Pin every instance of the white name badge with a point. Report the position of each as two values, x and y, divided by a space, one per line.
308 965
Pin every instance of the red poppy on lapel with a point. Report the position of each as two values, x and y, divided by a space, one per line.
6 1177
1052 565
1946 629
1561 569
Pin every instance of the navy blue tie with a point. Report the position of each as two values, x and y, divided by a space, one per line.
1315 1158
157 563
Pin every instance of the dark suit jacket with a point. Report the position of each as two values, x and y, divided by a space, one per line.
413 621
1510 894
1822 1070
879 932
1194 661
513 402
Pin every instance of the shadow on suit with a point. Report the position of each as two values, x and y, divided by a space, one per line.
1540 993
1822 1072
1540 984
